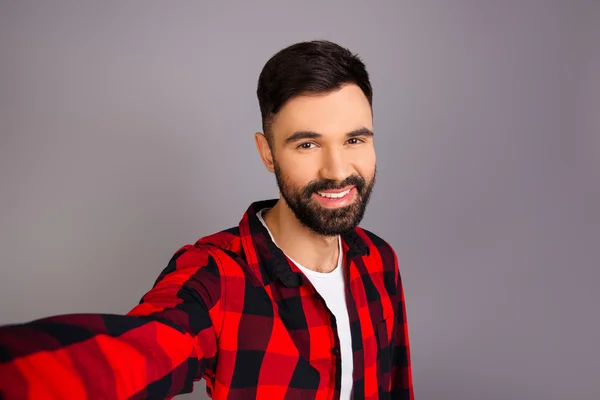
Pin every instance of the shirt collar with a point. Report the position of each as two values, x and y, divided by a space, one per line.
268 261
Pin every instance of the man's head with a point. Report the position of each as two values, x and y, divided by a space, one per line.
316 104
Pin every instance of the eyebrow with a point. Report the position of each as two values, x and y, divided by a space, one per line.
303 135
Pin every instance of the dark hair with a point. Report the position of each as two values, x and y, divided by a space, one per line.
313 67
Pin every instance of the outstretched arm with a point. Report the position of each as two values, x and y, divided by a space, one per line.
157 350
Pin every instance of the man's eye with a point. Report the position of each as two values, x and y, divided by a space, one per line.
354 141
306 146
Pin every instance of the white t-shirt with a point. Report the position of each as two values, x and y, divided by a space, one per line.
331 287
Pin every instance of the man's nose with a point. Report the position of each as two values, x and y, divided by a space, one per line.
335 166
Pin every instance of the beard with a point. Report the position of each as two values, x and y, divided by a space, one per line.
322 220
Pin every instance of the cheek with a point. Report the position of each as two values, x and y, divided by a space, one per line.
298 174
365 165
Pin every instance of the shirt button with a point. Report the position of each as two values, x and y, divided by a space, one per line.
335 351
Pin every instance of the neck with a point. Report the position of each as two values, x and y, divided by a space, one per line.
316 252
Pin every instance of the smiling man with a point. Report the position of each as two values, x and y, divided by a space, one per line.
296 302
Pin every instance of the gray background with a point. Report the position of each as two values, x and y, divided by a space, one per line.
127 131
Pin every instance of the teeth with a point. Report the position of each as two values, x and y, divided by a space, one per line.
334 195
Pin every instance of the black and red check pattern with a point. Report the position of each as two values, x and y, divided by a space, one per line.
231 309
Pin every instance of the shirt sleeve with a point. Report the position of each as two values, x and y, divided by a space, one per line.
402 386
157 350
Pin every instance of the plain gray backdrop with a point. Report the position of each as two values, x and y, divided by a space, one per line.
127 131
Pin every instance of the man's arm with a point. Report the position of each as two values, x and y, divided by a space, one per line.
157 350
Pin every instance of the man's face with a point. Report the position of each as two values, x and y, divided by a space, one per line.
324 158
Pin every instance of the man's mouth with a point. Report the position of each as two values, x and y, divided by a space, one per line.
334 194
336 198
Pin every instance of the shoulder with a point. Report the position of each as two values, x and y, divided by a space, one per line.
206 254
377 244
225 241
373 238
383 254
221 250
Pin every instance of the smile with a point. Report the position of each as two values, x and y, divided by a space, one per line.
330 195
336 198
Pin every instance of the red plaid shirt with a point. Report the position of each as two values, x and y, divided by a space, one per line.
231 309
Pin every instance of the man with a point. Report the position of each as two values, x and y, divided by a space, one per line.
297 302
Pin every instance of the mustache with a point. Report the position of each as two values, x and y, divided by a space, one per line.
330 184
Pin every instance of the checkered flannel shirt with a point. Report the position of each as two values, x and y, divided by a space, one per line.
231 309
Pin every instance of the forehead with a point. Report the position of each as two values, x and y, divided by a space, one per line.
336 112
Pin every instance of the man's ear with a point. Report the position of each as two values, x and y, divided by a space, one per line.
264 150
